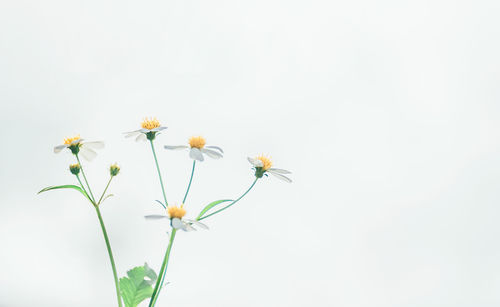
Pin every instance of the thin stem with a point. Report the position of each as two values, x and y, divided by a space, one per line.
81 184
110 253
163 270
85 177
234 202
83 188
104 192
190 180
159 173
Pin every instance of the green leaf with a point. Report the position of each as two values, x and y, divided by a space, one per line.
210 206
138 285
67 186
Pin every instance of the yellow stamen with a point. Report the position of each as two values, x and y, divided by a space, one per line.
266 162
68 141
197 142
150 123
176 212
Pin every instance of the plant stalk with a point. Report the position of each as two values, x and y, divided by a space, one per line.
190 180
110 253
163 270
159 173
85 177
104 192
234 202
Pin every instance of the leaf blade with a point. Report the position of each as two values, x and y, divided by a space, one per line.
210 206
66 186
137 285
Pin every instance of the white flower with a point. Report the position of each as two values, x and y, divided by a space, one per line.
150 126
176 214
263 165
77 145
179 223
197 149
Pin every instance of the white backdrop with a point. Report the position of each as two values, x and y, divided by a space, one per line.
385 111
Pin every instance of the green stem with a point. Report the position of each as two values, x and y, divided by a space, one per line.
104 192
85 190
163 270
159 173
234 202
190 180
85 177
110 253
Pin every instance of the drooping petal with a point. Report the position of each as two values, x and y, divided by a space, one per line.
279 171
175 147
155 217
255 162
211 153
87 153
58 149
215 147
94 145
188 227
199 224
159 129
132 133
196 154
282 177
140 137
76 141
177 223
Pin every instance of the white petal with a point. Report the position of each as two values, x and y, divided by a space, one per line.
211 153
173 147
58 149
255 162
188 227
199 224
196 154
279 171
155 217
132 133
159 129
94 145
177 223
284 178
140 137
88 153
216 147
76 141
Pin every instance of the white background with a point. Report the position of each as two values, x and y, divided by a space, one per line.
385 111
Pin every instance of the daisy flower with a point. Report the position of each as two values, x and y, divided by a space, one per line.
264 165
150 127
76 145
176 214
197 149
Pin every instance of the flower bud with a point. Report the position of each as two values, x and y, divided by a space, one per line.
114 169
75 169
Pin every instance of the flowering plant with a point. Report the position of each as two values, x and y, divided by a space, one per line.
142 282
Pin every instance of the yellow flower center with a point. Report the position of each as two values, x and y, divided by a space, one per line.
150 123
197 142
176 212
68 141
266 162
